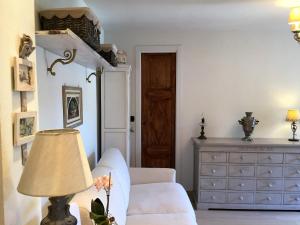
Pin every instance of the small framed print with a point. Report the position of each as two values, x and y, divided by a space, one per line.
72 106
24 79
24 127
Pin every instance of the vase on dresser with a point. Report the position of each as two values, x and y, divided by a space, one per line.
248 122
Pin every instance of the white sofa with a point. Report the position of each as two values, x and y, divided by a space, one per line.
139 195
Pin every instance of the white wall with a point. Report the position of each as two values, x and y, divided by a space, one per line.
223 74
17 17
51 106
50 98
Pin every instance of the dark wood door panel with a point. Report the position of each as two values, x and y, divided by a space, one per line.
158 109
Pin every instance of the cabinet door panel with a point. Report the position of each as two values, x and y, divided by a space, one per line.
115 100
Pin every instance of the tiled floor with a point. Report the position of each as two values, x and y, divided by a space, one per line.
217 217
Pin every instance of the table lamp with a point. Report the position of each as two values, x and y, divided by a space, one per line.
57 167
293 116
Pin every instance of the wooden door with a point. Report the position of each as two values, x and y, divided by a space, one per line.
158 109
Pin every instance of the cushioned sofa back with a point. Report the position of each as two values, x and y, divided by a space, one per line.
114 159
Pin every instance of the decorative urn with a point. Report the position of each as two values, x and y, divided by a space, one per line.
248 122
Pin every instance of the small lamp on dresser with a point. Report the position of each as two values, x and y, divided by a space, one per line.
293 116
56 168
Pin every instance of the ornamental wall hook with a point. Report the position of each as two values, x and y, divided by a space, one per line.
98 73
26 47
69 57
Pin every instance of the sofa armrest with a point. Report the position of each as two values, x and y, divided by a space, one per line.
152 175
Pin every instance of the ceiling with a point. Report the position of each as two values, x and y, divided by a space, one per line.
192 14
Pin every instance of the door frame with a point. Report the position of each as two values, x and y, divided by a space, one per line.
138 76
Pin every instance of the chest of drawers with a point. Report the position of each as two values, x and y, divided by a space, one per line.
232 174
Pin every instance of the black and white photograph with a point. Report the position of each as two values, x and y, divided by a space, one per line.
72 106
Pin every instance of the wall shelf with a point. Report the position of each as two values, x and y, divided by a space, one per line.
65 39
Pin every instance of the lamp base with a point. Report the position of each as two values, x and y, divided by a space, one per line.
59 213
293 139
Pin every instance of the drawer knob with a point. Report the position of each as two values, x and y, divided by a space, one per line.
297 185
269 198
213 184
242 171
270 158
298 171
214 157
270 171
242 185
297 199
270 185
241 198
213 171
242 157
213 197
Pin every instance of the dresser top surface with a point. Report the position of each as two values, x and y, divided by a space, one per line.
262 142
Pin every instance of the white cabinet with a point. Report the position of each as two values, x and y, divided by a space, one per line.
115 130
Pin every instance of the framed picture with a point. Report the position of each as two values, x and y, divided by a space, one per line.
24 127
24 79
72 106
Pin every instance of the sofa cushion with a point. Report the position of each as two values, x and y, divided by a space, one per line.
113 158
159 198
162 219
117 203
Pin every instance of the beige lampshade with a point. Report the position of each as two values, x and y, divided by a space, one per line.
57 165
292 115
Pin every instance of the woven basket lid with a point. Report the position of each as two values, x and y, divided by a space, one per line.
109 47
75 12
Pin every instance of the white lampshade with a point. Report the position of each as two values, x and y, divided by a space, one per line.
57 165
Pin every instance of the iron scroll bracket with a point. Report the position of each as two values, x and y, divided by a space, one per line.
69 57
98 73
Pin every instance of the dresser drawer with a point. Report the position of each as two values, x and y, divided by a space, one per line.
212 184
241 171
292 171
213 170
292 158
268 199
212 197
242 157
269 185
241 185
213 157
240 198
292 185
292 199
269 171
270 158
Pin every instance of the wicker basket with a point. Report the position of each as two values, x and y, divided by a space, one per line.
80 20
109 53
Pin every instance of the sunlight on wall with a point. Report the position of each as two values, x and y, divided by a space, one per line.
287 3
286 100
